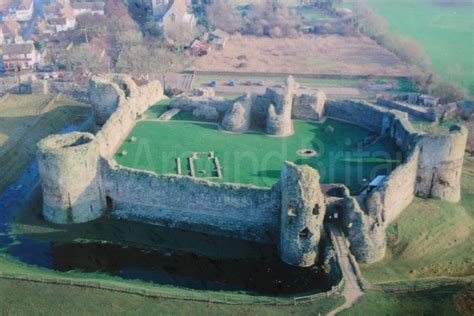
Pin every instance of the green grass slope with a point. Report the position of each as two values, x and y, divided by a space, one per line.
431 238
26 298
440 301
444 28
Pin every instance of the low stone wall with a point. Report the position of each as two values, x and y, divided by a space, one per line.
70 89
417 111
231 210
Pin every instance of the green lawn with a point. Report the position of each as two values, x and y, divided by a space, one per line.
434 302
435 238
255 158
446 32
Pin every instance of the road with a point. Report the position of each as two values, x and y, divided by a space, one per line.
38 12
352 291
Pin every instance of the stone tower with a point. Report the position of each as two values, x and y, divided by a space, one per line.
279 121
302 214
70 173
440 164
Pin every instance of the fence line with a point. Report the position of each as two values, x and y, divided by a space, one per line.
417 286
219 298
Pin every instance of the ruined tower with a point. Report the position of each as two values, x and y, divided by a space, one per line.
302 213
440 164
279 121
72 185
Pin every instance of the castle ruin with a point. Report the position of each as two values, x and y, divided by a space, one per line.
82 181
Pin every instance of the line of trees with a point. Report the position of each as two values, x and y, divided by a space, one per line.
269 18
366 21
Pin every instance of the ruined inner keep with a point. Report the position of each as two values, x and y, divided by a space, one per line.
289 214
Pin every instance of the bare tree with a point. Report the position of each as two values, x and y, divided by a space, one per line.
88 57
221 15
367 21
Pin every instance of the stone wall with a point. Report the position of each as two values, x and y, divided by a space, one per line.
309 106
361 113
397 192
365 233
129 101
423 113
232 210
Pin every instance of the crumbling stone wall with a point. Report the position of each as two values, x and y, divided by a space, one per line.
129 100
233 210
302 213
279 121
309 106
423 113
238 117
365 232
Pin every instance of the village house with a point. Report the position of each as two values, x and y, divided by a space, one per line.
59 16
24 11
218 38
10 32
20 56
173 15
88 7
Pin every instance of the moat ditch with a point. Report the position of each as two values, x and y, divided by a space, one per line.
181 259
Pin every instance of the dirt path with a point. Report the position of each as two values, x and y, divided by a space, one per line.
352 291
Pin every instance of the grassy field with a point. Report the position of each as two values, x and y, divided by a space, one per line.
27 298
440 301
24 298
255 158
443 28
431 238
24 120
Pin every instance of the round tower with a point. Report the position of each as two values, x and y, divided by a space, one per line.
71 180
440 164
302 214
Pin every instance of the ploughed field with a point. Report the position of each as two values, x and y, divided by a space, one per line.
255 158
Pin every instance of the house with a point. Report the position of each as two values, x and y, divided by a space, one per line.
20 56
173 15
218 38
200 48
10 32
24 11
88 7
60 17
428 100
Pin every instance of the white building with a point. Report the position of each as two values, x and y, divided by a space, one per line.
20 56
24 12
90 7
